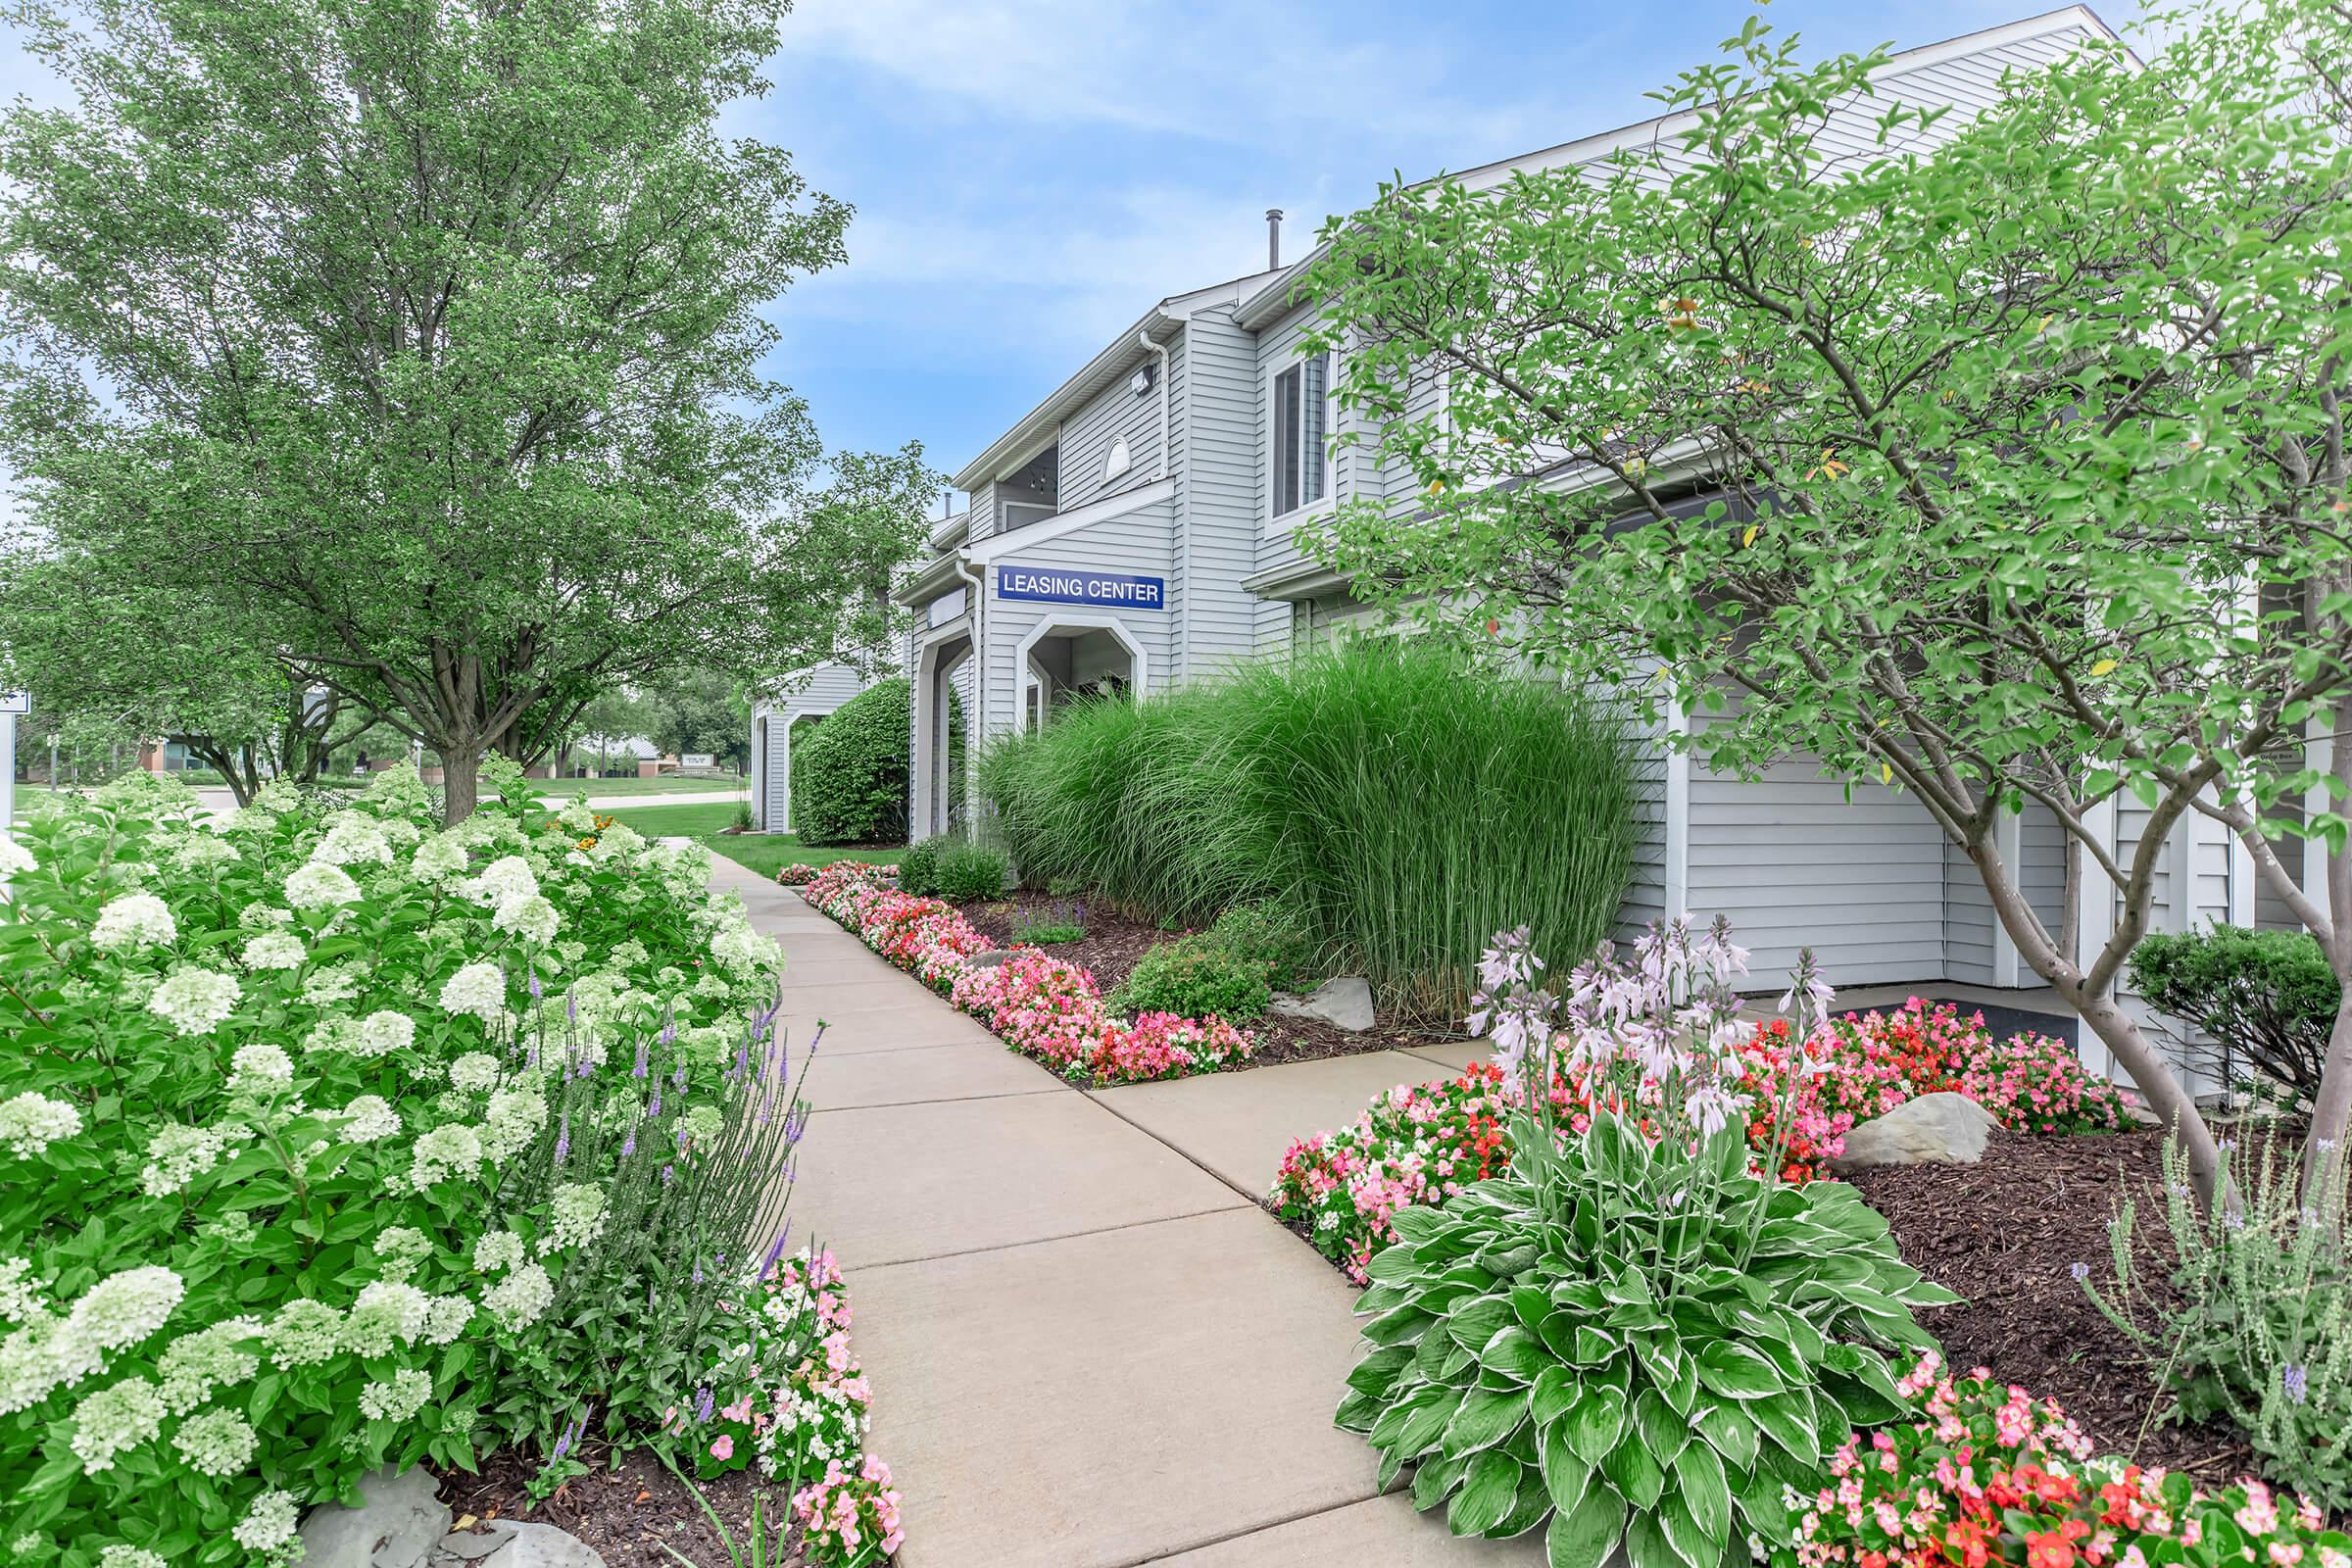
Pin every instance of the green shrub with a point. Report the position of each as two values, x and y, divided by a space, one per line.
969 873
2265 1000
1403 801
1193 976
1272 936
918 869
1064 922
849 776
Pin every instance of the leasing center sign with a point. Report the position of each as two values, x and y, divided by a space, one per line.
1061 585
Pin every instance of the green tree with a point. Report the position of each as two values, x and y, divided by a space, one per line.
429 333
706 714
2002 461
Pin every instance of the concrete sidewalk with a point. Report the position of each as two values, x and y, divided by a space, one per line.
1090 1347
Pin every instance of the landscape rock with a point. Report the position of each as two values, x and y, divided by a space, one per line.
1345 1002
536 1545
1940 1129
989 959
399 1524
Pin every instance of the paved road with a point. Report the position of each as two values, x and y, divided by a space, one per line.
220 802
1090 1346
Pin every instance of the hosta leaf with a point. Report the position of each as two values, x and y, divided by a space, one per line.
1729 1431
1515 1353
1527 1509
1530 1306
1592 1347
1663 1431
1488 1489
1647 1546
1761 1507
1404 1324
1393 1265
1358 1412
1416 1225
1735 1371
1474 1323
1565 1474
1555 1390
1583 1537
1434 1479
1684 1536
1377 1373
1632 1472
1787 1420
1484 1419
1595 1422
1422 1429
1702 1489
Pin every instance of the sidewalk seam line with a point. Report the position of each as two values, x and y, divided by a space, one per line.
939 1100
1244 1534
868 1267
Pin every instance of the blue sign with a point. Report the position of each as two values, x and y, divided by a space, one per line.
1061 585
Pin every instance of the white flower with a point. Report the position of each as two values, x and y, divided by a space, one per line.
29 1365
193 852
497 1249
475 1070
195 1364
107 1422
703 1123
134 920
510 1121
274 950
352 838
742 950
383 1032
402 1248
480 989
14 859
320 886
20 1297
447 1318
437 859
119 1310
304 1332
384 1311
216 1441
446 1151
269 1524
179 1155
533 918
258 916
122 1557
260 1069
327 987
193 1001
398 1400
30 1122
579 1208
372 1120
518 1300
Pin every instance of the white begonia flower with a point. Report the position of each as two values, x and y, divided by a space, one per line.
372 1120
31 1121
479 988
742 950
533 919
383 1032
274 949
194 1002
113 1419
579 1208
260 1069
352 838
179 1155
518 1301
385 1312
20 1297
327 987
497 1249
195 1364
511 1122
504 879
216 1441
14 859
402 1248
269 1522
398 1400
447 1318
120 1555
476 1070
134 920
453 1151
304 1333
318 884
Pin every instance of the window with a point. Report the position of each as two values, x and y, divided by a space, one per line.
1301 422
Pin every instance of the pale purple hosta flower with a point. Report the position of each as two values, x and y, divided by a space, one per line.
1710 1108
1510 1007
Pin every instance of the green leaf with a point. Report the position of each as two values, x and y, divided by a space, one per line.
1730 1430
1583 1537
1517 1354
1633 1471
1555 1390
1702 1489
1566 1475
1735 1371
1487 1491
1377 1373
1595 1422
1484 1418
1475 1322
1647 1546
1663 1431
1436 1479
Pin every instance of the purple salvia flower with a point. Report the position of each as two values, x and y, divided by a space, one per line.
704 1403
638 1071
679 1077
681 1140
775 1250
531 979
628 1145
571 1008
656 1109
697 1271
669 1030
2295 1381
742 1058
563 1137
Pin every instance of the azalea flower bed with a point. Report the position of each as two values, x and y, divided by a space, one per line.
1420 1144
1975 1473
1045 1008
330 1138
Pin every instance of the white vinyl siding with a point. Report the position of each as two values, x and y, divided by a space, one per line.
1217 497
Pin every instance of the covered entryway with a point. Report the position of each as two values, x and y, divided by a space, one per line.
1075 655
943 713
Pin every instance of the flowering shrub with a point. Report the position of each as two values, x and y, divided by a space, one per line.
796 874
1045 1008
796 1406
322 1138
1982 1473
2030 1082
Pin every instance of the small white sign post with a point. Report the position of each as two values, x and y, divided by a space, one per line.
11 705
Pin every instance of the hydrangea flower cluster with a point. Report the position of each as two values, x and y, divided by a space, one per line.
1977 1472
1045 1008
791 1398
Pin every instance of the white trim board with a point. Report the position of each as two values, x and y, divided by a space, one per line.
1069 522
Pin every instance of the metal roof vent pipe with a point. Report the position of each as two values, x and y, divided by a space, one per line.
1273 239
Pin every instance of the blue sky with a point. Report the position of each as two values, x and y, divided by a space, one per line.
1030 174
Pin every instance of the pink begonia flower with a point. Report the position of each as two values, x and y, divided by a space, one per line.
724 1449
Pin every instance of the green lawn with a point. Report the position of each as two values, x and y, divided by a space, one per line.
761 853
560 790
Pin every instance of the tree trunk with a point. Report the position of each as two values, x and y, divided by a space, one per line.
460 781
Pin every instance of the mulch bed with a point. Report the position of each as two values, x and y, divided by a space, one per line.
1113 945
2006 1233
629 1514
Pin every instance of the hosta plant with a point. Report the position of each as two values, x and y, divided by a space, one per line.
1628 1339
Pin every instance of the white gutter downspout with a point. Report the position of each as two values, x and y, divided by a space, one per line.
1152 346
978 720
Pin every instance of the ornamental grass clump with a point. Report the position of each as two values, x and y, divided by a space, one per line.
322 1146
1629 1334
2254 1328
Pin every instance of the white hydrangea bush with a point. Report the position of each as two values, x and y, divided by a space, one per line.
310 1119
